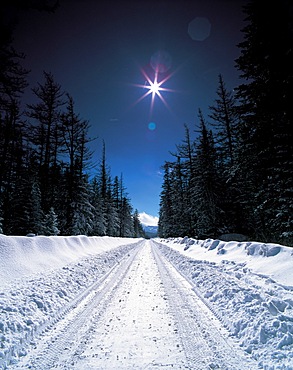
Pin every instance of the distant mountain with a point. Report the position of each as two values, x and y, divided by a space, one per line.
150 231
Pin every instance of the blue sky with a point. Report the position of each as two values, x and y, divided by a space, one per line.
97 52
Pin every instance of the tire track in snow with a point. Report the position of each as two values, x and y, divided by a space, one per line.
142 315
196 348
61 337
204 338
137 331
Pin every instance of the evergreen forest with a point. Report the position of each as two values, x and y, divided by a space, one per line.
45 161
232 172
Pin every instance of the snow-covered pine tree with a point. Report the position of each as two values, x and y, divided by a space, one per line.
137 226
36 214
19 220
82 208
112 211
99 221
112 219
179 192
126 221
51 223
165 224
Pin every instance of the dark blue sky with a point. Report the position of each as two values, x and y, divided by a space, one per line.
96 51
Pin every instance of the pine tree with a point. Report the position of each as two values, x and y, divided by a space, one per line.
12 158
266 154
99 221
186 167
137 226
46 135
112 217
124 211
104 174
225 118
35 212
114 202
51 223
105 191
75 138
126 221
12 84
18 222
83 211
12 74
166 217
1 219
205 185
74 132
179 191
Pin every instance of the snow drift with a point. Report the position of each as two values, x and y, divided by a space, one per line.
40 278
22 256
249 286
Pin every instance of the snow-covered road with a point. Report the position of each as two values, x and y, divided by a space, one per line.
141 315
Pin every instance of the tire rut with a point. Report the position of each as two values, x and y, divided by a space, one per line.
200 330
59 338
64 344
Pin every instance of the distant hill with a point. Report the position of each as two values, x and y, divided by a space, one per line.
150 231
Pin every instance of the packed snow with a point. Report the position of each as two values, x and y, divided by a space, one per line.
40 275
248 286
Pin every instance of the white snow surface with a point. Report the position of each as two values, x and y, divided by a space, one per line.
249 286
246 286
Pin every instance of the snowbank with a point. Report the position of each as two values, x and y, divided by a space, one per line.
272 260
22 256
249 286
41 278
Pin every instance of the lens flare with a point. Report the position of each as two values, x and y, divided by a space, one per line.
161 61
152 126
199 29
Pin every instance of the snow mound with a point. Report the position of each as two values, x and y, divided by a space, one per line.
272 260
23 256
249 287
42 277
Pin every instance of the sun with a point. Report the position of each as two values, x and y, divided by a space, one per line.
154 88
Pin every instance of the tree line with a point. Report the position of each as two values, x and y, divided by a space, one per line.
45 187
235 175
